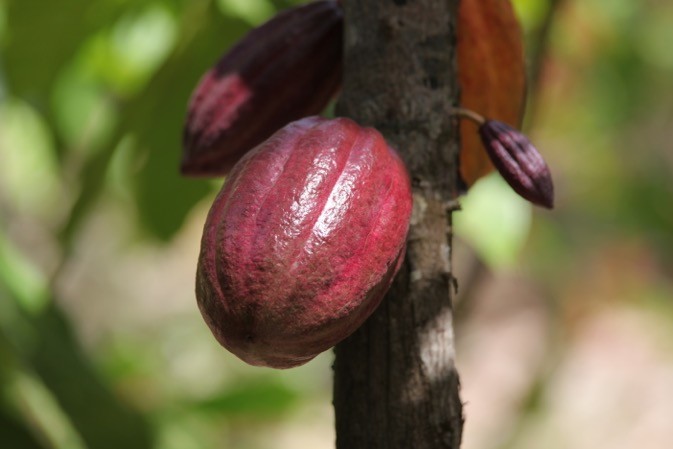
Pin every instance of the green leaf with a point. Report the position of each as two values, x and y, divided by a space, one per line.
37 406
28 169
15 434
42 35
164 197
48 379
252 11
264 397
494 220
103 421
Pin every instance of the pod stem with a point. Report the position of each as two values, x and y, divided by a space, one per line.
468 114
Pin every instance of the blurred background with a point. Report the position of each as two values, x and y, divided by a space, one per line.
564 318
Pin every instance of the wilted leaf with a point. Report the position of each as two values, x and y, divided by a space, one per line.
492 75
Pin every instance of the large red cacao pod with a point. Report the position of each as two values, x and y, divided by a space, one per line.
283 70
303 241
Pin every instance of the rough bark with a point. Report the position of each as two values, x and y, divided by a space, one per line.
395 381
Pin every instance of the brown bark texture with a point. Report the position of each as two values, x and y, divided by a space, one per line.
395 381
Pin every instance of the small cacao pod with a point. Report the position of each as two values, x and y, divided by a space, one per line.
519 162
303 241
283 70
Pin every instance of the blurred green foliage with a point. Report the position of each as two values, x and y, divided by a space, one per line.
92 99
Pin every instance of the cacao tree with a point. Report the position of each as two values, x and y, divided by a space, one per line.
395 381
89 130
308 231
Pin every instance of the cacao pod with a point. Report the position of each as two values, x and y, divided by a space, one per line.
283 70
519 162
303 241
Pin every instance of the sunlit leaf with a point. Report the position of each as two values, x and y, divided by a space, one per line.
22 278
28 171
124 56
82 109
495 221
252 11
38 407
531 12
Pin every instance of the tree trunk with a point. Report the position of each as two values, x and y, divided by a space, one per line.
396 386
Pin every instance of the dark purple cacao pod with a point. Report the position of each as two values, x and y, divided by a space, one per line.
303 241
283 70
519 162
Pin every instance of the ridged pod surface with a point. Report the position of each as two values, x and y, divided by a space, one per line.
283 70
303 241
519 162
